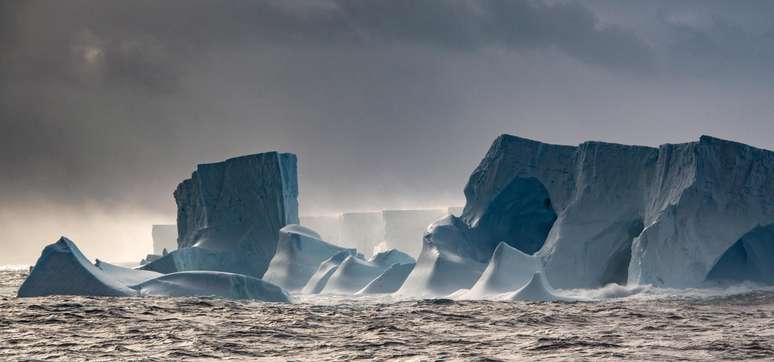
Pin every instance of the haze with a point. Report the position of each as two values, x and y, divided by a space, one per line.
106 105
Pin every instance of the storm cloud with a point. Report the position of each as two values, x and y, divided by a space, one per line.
106 105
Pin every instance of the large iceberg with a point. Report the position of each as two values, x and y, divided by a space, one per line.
164 238
611 213
300 251
229 214
63 270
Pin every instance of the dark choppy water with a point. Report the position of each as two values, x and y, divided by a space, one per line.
649 326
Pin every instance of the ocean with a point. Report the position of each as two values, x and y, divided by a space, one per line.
614 323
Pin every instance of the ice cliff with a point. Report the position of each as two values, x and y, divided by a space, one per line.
602 213
403 228
229 214
164 238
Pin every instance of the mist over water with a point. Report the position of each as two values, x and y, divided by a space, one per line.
648 324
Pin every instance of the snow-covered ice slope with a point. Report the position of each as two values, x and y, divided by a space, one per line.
448 261
210 283
389 281
537 289
403 229
63 270
235 209
299 252
164 237
354 273
126 276
508 270
320 277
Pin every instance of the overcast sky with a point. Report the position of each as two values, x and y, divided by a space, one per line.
106 105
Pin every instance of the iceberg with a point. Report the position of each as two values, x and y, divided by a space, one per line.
300 251
229 214
164 238
63 270
601 213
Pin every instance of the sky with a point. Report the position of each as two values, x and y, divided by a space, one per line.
105 106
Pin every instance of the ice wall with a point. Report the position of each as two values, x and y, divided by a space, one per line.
361 230
403 229
230 213
326 225
164 237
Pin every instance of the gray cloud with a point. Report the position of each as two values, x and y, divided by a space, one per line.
106 105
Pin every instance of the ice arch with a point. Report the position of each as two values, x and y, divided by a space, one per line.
751 258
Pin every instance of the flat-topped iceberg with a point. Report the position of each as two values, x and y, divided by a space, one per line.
63 270
229 214
606 213
300 251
